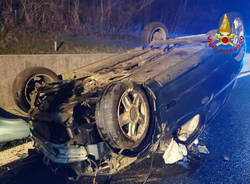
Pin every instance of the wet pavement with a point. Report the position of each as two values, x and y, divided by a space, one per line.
227 137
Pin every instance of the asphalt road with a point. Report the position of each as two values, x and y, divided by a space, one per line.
227 135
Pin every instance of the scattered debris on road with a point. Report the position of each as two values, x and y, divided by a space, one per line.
226 158
203 149
174 152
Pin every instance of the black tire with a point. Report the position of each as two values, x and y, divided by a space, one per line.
153 32
110 113
23 84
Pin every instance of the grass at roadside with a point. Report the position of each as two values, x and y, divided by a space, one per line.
28 42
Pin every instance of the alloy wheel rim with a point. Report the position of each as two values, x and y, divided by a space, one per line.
133 115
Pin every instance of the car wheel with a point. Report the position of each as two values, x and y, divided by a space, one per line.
123 115
154 31
26 82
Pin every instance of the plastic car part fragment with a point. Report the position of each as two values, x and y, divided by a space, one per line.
188 128
174 152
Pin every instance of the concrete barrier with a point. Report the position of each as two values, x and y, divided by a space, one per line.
11 65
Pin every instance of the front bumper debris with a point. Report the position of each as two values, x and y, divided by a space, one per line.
60 153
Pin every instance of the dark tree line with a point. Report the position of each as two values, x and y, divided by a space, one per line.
69 16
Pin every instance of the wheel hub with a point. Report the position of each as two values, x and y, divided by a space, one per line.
158 34
33 83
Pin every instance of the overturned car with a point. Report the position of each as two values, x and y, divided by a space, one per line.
110 114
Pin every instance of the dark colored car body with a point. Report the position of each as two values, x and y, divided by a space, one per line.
181 78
